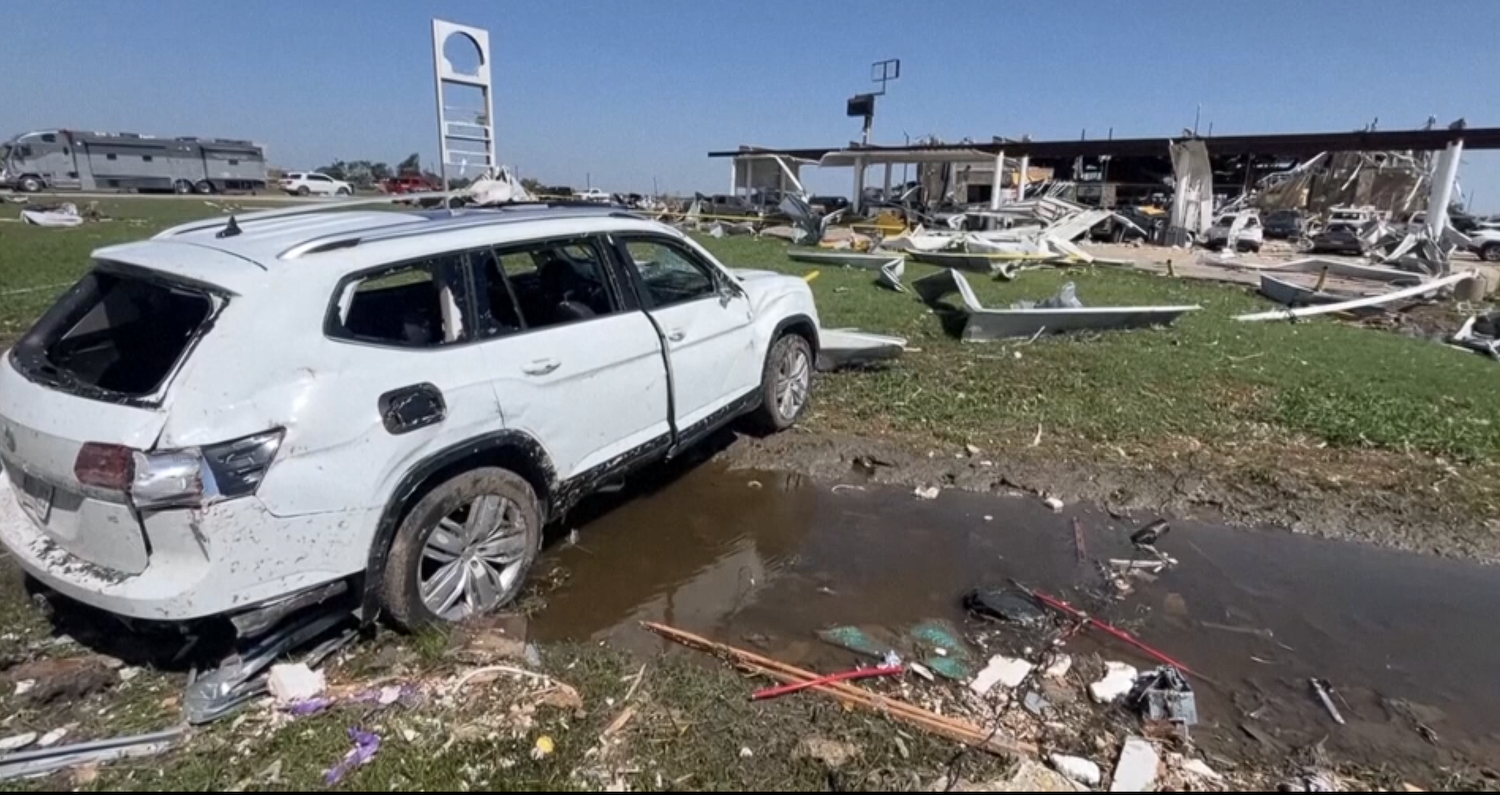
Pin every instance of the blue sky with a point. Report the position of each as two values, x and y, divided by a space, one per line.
627 92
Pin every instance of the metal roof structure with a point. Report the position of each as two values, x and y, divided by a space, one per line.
1287 144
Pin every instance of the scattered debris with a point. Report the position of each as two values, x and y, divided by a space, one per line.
841 348
63 216
989 740
1078 769
982 324
1148 536
52 738
18 742
544 747
1481 334
1360 303
32 764
831 753
366 746
1058 670
1007 671
1310 779
1324 693
1200 769
1054 503
1069 610
1118 679
1034 703
846 676
927 492
1164 695
47 681
1004 604
291 684
1137 768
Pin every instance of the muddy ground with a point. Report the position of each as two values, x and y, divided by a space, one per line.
1342 494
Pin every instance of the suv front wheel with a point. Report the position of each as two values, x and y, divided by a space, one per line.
464 550
785 384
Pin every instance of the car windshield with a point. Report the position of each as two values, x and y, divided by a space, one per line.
117 332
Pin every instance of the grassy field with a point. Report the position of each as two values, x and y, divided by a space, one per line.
693 726
1209 378
1322 401
1264 398
1322 425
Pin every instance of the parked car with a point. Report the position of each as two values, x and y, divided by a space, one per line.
409 183
828 204
729 206
311 183
1244 227
592 195
1285 224
237 413
1486 243
1338 238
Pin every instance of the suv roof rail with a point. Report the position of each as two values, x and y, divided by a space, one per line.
301 209
478 217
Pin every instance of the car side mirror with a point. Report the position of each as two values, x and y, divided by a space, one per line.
727 292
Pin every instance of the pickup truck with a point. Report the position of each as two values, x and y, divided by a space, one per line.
408 183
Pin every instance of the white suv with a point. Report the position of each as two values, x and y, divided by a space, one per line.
236 414
314 184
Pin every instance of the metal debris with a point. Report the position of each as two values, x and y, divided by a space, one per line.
1323 691
40 763
982 325
1165 695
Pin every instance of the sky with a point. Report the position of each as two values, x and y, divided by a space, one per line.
619 95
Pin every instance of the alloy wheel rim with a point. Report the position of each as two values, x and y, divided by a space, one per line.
792 379
473 558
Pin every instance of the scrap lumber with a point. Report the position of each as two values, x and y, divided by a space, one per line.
951 728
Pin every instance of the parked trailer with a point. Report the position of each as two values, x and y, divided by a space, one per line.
72 160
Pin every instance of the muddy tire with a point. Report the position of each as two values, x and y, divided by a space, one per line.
304 191
204 187
464 550
785 385
1490 253
30 184
342 192
181 187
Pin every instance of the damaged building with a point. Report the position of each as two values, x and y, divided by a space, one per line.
1195 177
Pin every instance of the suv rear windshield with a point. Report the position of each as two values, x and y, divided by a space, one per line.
117 333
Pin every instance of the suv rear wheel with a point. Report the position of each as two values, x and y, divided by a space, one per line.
1490 252
464 549
786 384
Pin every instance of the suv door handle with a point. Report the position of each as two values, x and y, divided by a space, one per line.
677 335
541 367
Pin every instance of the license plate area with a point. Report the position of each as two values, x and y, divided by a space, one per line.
35 496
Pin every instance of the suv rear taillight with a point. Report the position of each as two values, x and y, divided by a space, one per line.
179 478
105 466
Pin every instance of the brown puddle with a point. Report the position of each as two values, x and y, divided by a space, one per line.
768 566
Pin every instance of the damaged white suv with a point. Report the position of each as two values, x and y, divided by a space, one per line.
232 416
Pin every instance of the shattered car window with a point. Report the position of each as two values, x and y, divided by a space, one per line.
552 283
408 306
669 274
115 332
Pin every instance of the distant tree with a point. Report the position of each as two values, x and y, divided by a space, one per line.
338 169
411 165
532 186
380 172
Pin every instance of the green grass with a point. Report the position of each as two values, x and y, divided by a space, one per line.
1209 379
693 720
37 264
